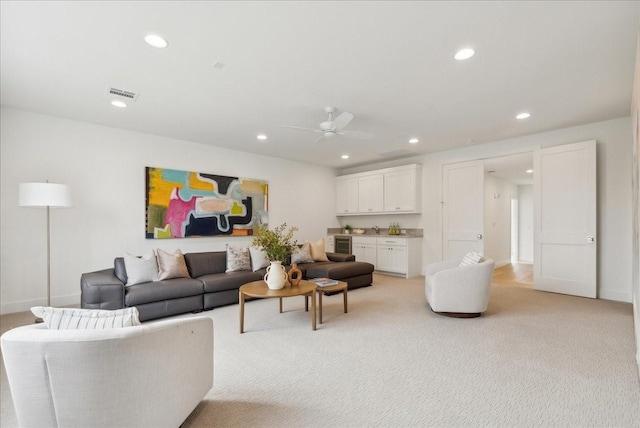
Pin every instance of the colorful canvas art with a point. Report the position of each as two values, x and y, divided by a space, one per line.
183 204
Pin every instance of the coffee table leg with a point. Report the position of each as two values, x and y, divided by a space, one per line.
241 312
313 309
280 304
344 293
320 293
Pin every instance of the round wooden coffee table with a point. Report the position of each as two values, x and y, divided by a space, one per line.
259 289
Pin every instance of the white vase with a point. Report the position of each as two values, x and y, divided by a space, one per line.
276 276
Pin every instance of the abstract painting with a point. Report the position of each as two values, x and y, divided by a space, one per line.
183 204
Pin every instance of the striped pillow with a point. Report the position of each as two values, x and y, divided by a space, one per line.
86 319
471 259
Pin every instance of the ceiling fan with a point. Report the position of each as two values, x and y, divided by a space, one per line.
331 127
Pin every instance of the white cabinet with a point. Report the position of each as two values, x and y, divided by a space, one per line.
371 194
401 191
399 256
347 195
384 191
364 248
329 245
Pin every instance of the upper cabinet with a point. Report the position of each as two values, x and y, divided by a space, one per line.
371 194
391 190
346 195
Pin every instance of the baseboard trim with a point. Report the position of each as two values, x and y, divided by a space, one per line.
618 296
26 305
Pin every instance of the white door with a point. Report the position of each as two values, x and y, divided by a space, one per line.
462 208
565 219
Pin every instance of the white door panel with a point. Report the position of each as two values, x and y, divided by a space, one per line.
463 208
565 248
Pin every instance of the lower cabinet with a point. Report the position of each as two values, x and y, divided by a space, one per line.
364 248
399 256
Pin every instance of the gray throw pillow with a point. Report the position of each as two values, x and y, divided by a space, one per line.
259 259
238 259
141 269
302 254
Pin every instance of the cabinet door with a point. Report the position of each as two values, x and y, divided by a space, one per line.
371 194
400 191
384 261
398 259
347 196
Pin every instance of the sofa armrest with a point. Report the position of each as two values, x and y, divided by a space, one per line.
101 290
338 257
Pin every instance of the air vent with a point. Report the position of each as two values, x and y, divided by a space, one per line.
394 153
122 93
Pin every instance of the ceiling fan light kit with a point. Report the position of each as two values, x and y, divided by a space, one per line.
330 128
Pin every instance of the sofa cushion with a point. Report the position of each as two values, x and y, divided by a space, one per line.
141 269
228 280
86 319
200 264
162 290
119 270
339 270
238 259
171 265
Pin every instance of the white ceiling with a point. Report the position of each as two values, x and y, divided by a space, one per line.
389 63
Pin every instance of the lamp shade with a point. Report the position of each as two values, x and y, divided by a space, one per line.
44 195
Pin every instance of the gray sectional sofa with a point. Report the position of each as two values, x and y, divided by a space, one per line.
208 287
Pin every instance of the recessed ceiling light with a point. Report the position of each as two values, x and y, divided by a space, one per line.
523 115
465 53
261 137
118 104
529 171
345 156
414 141
156 41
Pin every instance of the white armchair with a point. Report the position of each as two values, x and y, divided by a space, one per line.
461 292
150 375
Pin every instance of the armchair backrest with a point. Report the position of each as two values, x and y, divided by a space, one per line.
148 375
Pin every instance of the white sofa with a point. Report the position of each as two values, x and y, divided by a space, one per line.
150 375
456 291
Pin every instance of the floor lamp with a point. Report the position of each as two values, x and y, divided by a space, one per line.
45 195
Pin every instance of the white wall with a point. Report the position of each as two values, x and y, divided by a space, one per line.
525 223
497 218
105 168
614 193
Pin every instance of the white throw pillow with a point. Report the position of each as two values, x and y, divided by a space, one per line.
238 259
317 251
141 269
86 319
470 259
259 259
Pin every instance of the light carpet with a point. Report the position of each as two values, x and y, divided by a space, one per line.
533 359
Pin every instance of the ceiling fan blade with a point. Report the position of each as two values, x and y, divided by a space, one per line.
301 128
319 138
359 135
342 120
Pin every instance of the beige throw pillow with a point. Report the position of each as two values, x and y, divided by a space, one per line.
317 251
171 265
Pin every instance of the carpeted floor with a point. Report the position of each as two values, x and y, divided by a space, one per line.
533 359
